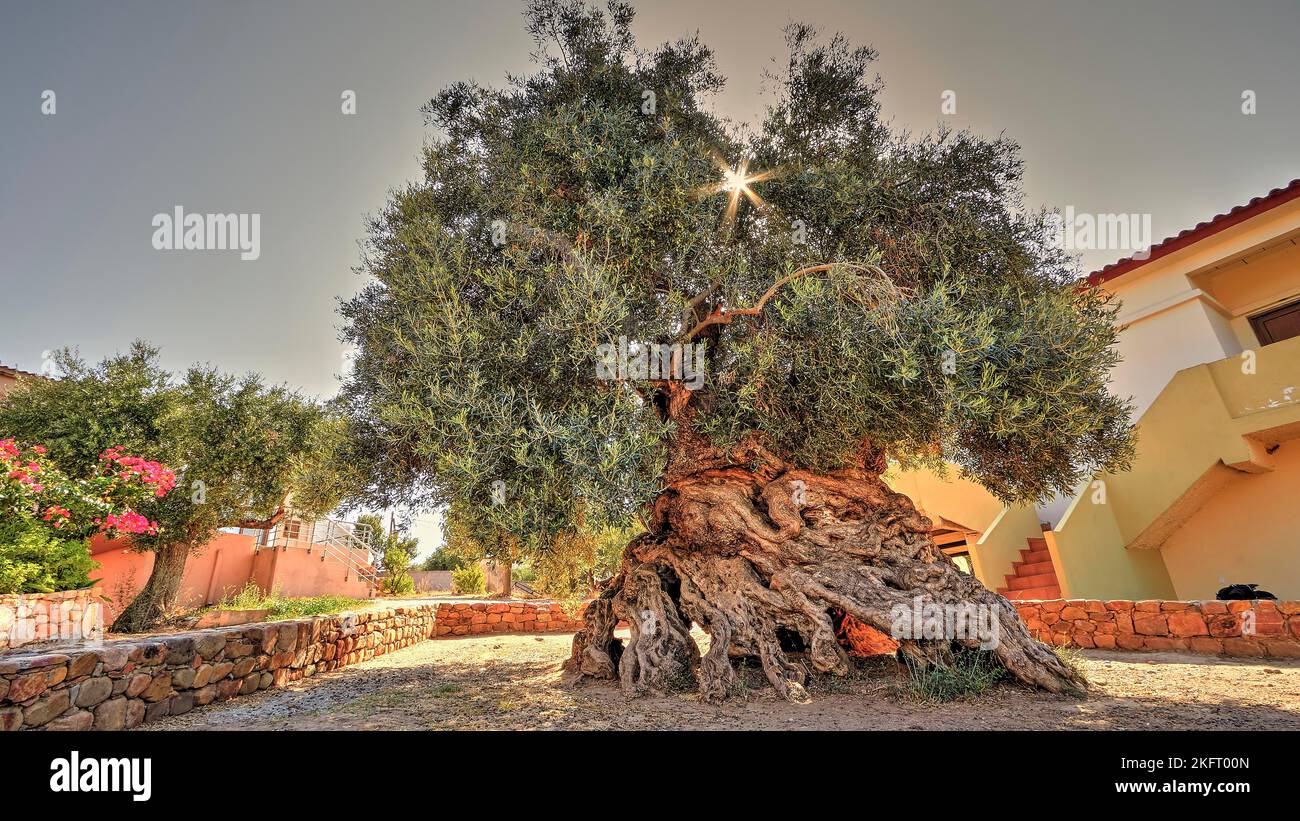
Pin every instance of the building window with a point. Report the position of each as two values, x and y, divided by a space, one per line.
1277 324
292 529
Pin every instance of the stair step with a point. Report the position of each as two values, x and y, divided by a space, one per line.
1037 543
1033 568
1035 556
1031 594
1030 582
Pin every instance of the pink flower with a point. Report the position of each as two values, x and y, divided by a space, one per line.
155 474
130 522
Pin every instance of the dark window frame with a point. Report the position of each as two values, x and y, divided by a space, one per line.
1259 320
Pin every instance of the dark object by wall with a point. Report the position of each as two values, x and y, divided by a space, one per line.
1243 592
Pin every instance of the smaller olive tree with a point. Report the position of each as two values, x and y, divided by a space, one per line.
442 559
568 563
238 446
396 552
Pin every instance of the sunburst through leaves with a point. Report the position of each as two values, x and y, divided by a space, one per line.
737 182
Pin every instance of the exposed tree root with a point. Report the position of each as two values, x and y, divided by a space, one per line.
761 559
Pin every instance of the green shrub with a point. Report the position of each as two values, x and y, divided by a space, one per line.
970 673
250 597
398 585
314 606
468 579
34 560
523 572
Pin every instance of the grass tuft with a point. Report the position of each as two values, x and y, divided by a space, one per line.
1071 658
970 674
282 607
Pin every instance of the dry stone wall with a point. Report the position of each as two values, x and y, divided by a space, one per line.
68 615
474 618
122 684
1246 629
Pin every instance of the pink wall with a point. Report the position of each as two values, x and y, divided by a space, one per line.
221 568
295 572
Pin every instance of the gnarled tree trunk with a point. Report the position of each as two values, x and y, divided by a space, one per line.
159 594
760 555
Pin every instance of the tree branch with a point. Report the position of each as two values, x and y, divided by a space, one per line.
721 316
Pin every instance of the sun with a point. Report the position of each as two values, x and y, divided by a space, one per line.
735 179
737 182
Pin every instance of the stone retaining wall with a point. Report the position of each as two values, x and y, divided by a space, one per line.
474 618
1248 629
68 615
122 684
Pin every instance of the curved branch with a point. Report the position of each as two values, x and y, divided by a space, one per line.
721 316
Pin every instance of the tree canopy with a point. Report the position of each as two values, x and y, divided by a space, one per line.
598 201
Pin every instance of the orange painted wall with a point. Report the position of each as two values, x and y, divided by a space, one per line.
223 566
295 572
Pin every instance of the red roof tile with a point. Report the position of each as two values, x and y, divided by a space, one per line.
6 370
1212 226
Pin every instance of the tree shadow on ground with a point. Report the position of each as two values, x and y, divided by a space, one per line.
514 682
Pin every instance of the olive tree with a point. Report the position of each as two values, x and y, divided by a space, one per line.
603 302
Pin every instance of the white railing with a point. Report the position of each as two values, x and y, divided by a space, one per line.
344 542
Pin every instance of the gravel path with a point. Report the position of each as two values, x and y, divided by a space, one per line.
512 682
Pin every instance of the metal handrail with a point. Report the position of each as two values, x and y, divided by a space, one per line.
340 542
337 540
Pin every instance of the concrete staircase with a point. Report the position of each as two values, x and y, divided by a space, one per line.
1034 576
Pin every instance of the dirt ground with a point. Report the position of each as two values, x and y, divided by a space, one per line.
512 682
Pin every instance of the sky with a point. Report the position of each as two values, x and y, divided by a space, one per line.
221 107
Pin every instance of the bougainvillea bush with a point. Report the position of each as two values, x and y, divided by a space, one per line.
47 518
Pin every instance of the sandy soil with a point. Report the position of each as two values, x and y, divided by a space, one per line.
512 682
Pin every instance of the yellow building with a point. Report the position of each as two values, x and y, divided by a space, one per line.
1210 337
